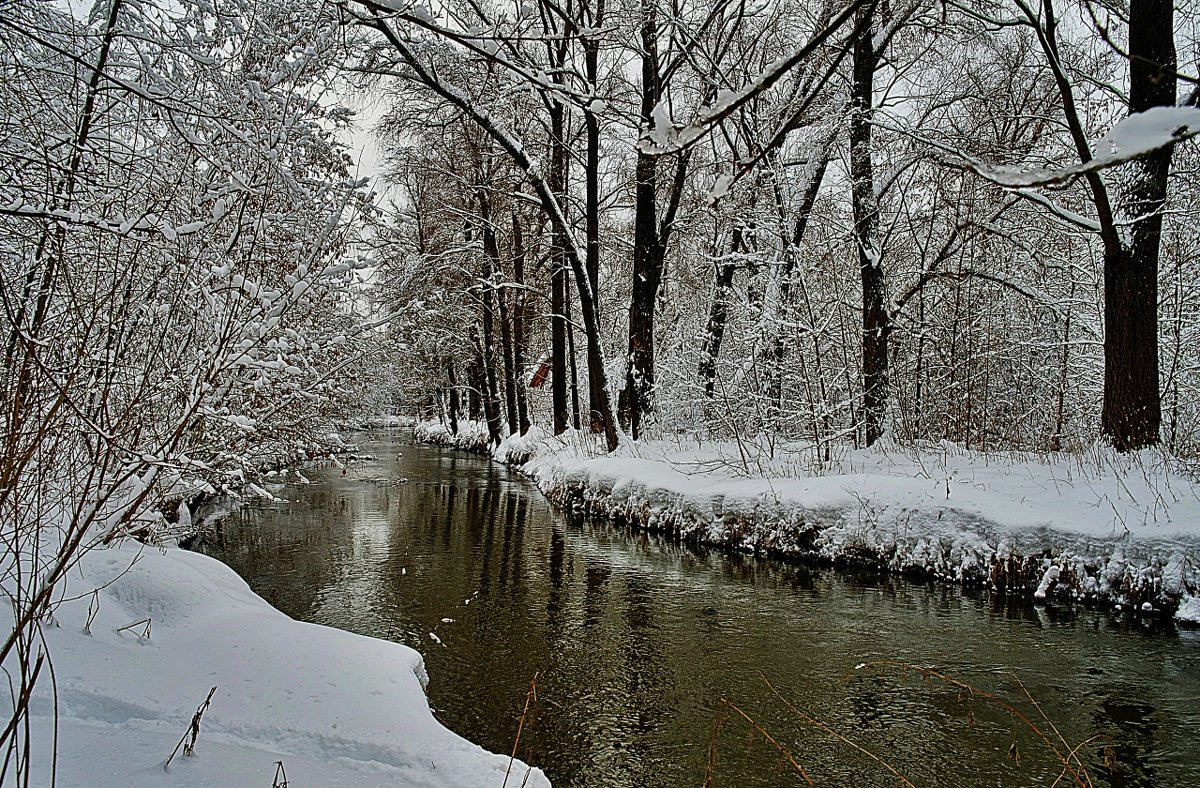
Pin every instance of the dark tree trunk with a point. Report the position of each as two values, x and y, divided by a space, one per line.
452 387
518 323
499 297
1132 412
506 342
779 346
556 180
591 56
595 354
718 315
574 363
487 342
491 397
875 324
919 371
558 346
473 388
647 251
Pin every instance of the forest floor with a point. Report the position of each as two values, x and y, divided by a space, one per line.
134 661
1100 527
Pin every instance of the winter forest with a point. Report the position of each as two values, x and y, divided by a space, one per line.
815 223
626 244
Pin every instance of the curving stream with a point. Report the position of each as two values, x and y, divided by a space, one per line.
634 640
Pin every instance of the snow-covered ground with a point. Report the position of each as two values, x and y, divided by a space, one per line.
1103 527
337 709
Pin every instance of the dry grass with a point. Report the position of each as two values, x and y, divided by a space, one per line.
718 723
188 740
1045 733
530 697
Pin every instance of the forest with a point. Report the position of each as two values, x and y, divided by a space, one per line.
804 227
810 222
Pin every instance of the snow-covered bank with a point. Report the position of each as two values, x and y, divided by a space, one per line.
133 661
1103 528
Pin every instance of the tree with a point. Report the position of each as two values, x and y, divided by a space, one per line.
1131 414
431 74
172 276
965 310
875 325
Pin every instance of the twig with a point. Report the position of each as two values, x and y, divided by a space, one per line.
144 634
1072 752
814 721
531 694
718 723
188 740
1079 777
763 732
93 610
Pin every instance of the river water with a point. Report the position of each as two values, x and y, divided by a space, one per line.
635 640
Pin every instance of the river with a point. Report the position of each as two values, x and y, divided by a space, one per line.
635 640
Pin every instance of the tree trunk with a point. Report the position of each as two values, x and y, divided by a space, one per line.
556 180
647 252
784 312
452 387
558 346
491 397
499 297
574 363
473 389
718 316
875 324
591 57
1132 412
487 343
518 330
506 342
919 371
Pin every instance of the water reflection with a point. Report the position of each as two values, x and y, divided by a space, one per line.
634 641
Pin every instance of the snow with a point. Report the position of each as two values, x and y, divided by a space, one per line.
1049 578
1189 610
1104 527
1146 132
660 125
720 188
390 421
1131 138
337 709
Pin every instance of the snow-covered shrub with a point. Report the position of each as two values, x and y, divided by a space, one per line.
173 274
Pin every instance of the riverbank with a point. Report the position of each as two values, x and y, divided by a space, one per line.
1102 529
134 660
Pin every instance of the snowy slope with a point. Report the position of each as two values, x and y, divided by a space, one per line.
337 709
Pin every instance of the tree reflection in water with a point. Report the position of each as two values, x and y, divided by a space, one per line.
635 639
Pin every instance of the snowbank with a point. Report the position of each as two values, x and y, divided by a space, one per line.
1102 528
1189 610
390 421
337 709
471 435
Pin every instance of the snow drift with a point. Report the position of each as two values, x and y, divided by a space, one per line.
133 660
